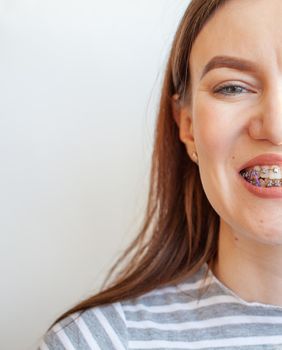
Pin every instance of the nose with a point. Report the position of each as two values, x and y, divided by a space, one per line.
267 125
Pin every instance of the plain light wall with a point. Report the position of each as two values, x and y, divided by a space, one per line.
79 83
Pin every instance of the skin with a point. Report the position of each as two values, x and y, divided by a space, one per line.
230 126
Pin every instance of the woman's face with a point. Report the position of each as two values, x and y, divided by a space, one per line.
236 116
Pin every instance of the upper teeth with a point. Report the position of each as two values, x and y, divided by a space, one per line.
271 172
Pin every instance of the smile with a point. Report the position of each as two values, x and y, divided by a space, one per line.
263 176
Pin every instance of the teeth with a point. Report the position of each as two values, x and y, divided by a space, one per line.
275 173
272 172
264 176
263 172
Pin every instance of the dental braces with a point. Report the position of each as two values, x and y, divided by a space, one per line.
253 176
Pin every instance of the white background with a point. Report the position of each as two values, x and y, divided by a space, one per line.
79 88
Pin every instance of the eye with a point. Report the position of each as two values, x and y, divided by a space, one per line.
230 89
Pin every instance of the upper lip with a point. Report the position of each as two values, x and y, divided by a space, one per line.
263 159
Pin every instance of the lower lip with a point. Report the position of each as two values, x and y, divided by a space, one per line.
262 192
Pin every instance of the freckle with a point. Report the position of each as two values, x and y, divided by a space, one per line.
261 221
236 238
233 157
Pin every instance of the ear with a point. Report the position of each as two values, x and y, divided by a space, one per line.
183 118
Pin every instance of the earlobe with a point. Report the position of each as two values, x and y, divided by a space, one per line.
186 135
186 127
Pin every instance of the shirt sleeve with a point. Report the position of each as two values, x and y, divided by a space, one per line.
98 328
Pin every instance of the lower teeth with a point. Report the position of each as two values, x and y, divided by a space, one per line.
253 178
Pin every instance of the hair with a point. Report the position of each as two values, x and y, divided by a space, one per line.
180 229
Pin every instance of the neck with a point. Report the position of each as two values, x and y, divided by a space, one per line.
251 269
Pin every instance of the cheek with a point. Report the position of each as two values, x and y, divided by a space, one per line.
215 140
217 134
213 130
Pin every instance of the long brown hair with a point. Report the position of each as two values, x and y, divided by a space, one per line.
180 230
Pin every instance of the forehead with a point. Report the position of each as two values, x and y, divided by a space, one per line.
250 29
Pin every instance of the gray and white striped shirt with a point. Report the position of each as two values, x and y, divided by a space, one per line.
196 314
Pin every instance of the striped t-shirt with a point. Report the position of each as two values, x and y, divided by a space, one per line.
189 315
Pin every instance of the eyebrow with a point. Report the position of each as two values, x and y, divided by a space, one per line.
229 62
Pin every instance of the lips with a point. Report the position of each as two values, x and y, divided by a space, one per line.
257 184
264 159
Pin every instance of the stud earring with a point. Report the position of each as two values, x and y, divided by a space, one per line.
195 157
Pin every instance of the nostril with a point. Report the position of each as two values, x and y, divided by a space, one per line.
277 140
260 129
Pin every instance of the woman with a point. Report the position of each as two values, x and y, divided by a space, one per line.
205 271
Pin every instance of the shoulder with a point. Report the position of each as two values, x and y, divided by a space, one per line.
166 304
102 327
118 325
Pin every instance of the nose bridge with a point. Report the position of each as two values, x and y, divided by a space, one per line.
272 113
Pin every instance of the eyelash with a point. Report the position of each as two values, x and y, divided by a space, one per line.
222 90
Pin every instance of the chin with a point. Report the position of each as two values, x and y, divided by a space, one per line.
267 235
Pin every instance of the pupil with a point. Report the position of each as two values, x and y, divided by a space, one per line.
233 89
